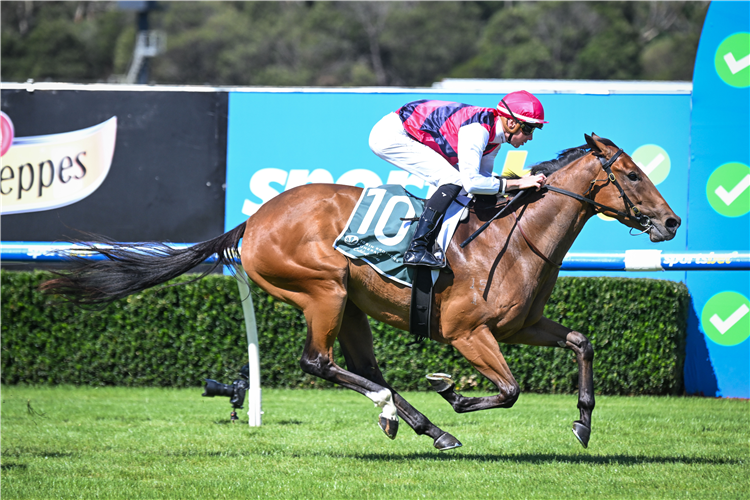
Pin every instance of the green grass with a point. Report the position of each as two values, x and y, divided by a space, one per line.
68 442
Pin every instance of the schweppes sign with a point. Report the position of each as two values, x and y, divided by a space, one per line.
51 171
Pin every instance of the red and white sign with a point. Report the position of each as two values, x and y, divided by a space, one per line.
6 129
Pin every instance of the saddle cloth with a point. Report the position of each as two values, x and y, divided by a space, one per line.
376 234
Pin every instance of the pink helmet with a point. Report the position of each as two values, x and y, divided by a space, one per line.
523 106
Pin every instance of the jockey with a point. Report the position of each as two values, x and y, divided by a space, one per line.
453 146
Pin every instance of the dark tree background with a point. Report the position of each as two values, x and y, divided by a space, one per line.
355 43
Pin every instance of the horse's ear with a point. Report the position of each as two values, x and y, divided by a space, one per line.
597 147
592 143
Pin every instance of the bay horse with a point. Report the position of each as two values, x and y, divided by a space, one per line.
495 290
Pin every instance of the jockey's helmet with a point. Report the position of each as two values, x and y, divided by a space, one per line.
523 107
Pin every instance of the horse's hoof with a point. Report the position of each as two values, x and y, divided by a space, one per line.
446 442
389 426
440 382
582 432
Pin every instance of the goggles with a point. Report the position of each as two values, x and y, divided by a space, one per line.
526 128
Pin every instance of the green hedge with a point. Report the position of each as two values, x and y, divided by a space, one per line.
177 336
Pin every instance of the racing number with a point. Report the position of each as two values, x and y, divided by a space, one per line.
385 216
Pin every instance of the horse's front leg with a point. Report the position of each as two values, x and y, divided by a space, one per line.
480 348
548 333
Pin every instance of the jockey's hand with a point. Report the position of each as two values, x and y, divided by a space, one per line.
526 182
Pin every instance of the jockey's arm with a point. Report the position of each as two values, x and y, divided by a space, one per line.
472 139
526 182
476 169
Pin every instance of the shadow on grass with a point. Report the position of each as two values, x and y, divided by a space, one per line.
12 466
546 457
281 422
290 422
21 452
533 458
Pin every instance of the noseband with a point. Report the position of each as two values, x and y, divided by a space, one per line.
633 212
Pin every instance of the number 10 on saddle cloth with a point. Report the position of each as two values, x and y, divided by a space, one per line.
376 234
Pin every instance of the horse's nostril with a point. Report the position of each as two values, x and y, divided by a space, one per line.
672 223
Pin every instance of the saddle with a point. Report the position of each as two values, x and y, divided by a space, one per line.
379 231
424 278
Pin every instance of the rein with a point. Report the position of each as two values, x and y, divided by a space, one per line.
633 212
486 224
532 246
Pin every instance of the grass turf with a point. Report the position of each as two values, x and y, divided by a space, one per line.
74 442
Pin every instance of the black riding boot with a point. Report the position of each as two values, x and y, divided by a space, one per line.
419 252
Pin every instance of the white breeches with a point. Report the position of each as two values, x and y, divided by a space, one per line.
390 141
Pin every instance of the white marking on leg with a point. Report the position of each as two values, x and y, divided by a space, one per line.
384 399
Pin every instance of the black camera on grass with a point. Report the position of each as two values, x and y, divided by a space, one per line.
235 391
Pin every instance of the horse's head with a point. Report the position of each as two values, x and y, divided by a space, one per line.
624 187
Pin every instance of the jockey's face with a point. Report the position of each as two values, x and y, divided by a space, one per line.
519 138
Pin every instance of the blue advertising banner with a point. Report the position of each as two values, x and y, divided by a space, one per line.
718 346
279 140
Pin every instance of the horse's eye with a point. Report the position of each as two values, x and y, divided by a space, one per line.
633 176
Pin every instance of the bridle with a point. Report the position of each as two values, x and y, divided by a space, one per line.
633 212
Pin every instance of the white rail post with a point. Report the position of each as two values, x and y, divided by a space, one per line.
253 398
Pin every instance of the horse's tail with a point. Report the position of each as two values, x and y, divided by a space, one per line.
131 268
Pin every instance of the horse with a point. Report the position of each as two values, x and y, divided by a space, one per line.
494 290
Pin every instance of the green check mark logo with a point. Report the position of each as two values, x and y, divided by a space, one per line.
732 60
654 161
728 189
726 318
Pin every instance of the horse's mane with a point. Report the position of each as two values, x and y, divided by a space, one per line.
564 158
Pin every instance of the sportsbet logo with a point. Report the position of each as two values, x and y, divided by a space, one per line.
728 189
726 318
264 182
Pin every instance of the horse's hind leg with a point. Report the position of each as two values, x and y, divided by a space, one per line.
548 333
355 339
324 318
